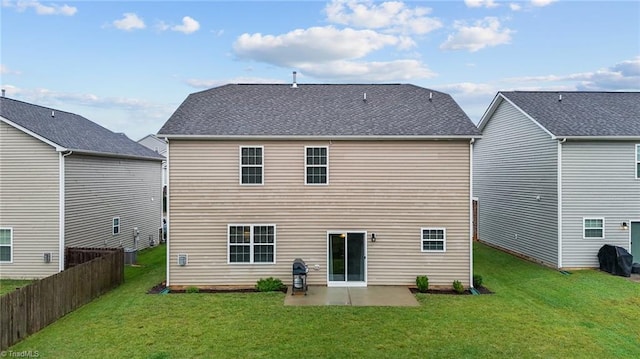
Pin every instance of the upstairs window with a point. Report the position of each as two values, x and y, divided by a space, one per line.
433 239
6 245
251 165
316 165
593 228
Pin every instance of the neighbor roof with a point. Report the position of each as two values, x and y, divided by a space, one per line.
319 110
580 114
70 131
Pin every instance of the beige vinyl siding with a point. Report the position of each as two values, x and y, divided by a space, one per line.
29 204
515 161
100 188
598 181
391 188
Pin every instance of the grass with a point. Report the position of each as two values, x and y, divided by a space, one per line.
536 312
9 285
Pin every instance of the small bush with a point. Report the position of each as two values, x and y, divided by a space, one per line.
422 282
458 287
269 285
192 290
477 280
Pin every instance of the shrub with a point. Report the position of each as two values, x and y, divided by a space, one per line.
477 280
269 285
458 287
192 290
422 282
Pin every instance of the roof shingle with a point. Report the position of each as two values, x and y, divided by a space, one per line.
72 131
319 110
590 114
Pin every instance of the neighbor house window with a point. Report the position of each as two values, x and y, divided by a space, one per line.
316 165
115 225
593 227
6 245
252 243
251 165
433 239
638 161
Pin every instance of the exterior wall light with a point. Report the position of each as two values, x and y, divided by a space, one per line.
625 226
373 237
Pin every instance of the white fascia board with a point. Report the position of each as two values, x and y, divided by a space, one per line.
320 138
600 138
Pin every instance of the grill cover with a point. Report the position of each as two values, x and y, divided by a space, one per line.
299 267
615 260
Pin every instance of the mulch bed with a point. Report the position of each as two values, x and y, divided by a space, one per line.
162 287
481 290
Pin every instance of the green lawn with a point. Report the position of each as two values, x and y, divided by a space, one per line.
9 285
535 312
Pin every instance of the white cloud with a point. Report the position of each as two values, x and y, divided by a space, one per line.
316 44
481 3
205 84
390 16
40 9
515 7
484 33
188 26
541 3
622 76
4 70
377 71
129 22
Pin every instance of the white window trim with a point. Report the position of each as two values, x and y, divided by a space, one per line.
584 228
444 239
635 169
240 166
113 226
306 166
10 244
251 243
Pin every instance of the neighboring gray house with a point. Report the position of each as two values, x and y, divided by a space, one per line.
369 184
159 145
68 182
557 175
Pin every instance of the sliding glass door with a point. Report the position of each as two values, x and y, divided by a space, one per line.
347 259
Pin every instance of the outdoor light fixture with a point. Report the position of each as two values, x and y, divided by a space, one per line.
625 226
373 237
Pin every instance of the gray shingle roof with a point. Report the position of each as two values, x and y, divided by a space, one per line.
582 113
72 131
319 110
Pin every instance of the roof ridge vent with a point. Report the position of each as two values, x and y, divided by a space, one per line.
294 85
559 97
364 97
430 96
53 113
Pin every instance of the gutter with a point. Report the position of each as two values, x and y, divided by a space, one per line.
320 138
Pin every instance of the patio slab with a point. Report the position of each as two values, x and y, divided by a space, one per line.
387 296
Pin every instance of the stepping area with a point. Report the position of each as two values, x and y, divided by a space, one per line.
387 296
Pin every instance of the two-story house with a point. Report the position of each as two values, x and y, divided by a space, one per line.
368 184
67 182
557 175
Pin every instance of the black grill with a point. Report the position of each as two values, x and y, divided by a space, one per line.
299 272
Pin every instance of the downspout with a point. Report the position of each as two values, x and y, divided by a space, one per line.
559 179
168 209
61 212
471 212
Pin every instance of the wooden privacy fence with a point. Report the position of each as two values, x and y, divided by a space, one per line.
33 307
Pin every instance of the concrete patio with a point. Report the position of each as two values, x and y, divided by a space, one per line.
387 296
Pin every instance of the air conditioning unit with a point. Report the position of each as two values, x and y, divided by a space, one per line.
47 257
182 259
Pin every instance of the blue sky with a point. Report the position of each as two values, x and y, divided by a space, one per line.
127 65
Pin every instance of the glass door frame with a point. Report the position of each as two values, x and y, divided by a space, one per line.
346 282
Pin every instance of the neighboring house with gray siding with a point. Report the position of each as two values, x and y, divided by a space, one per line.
68 182
369 184
159 145
557 175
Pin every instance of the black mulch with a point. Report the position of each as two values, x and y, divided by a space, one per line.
162 287
481 290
